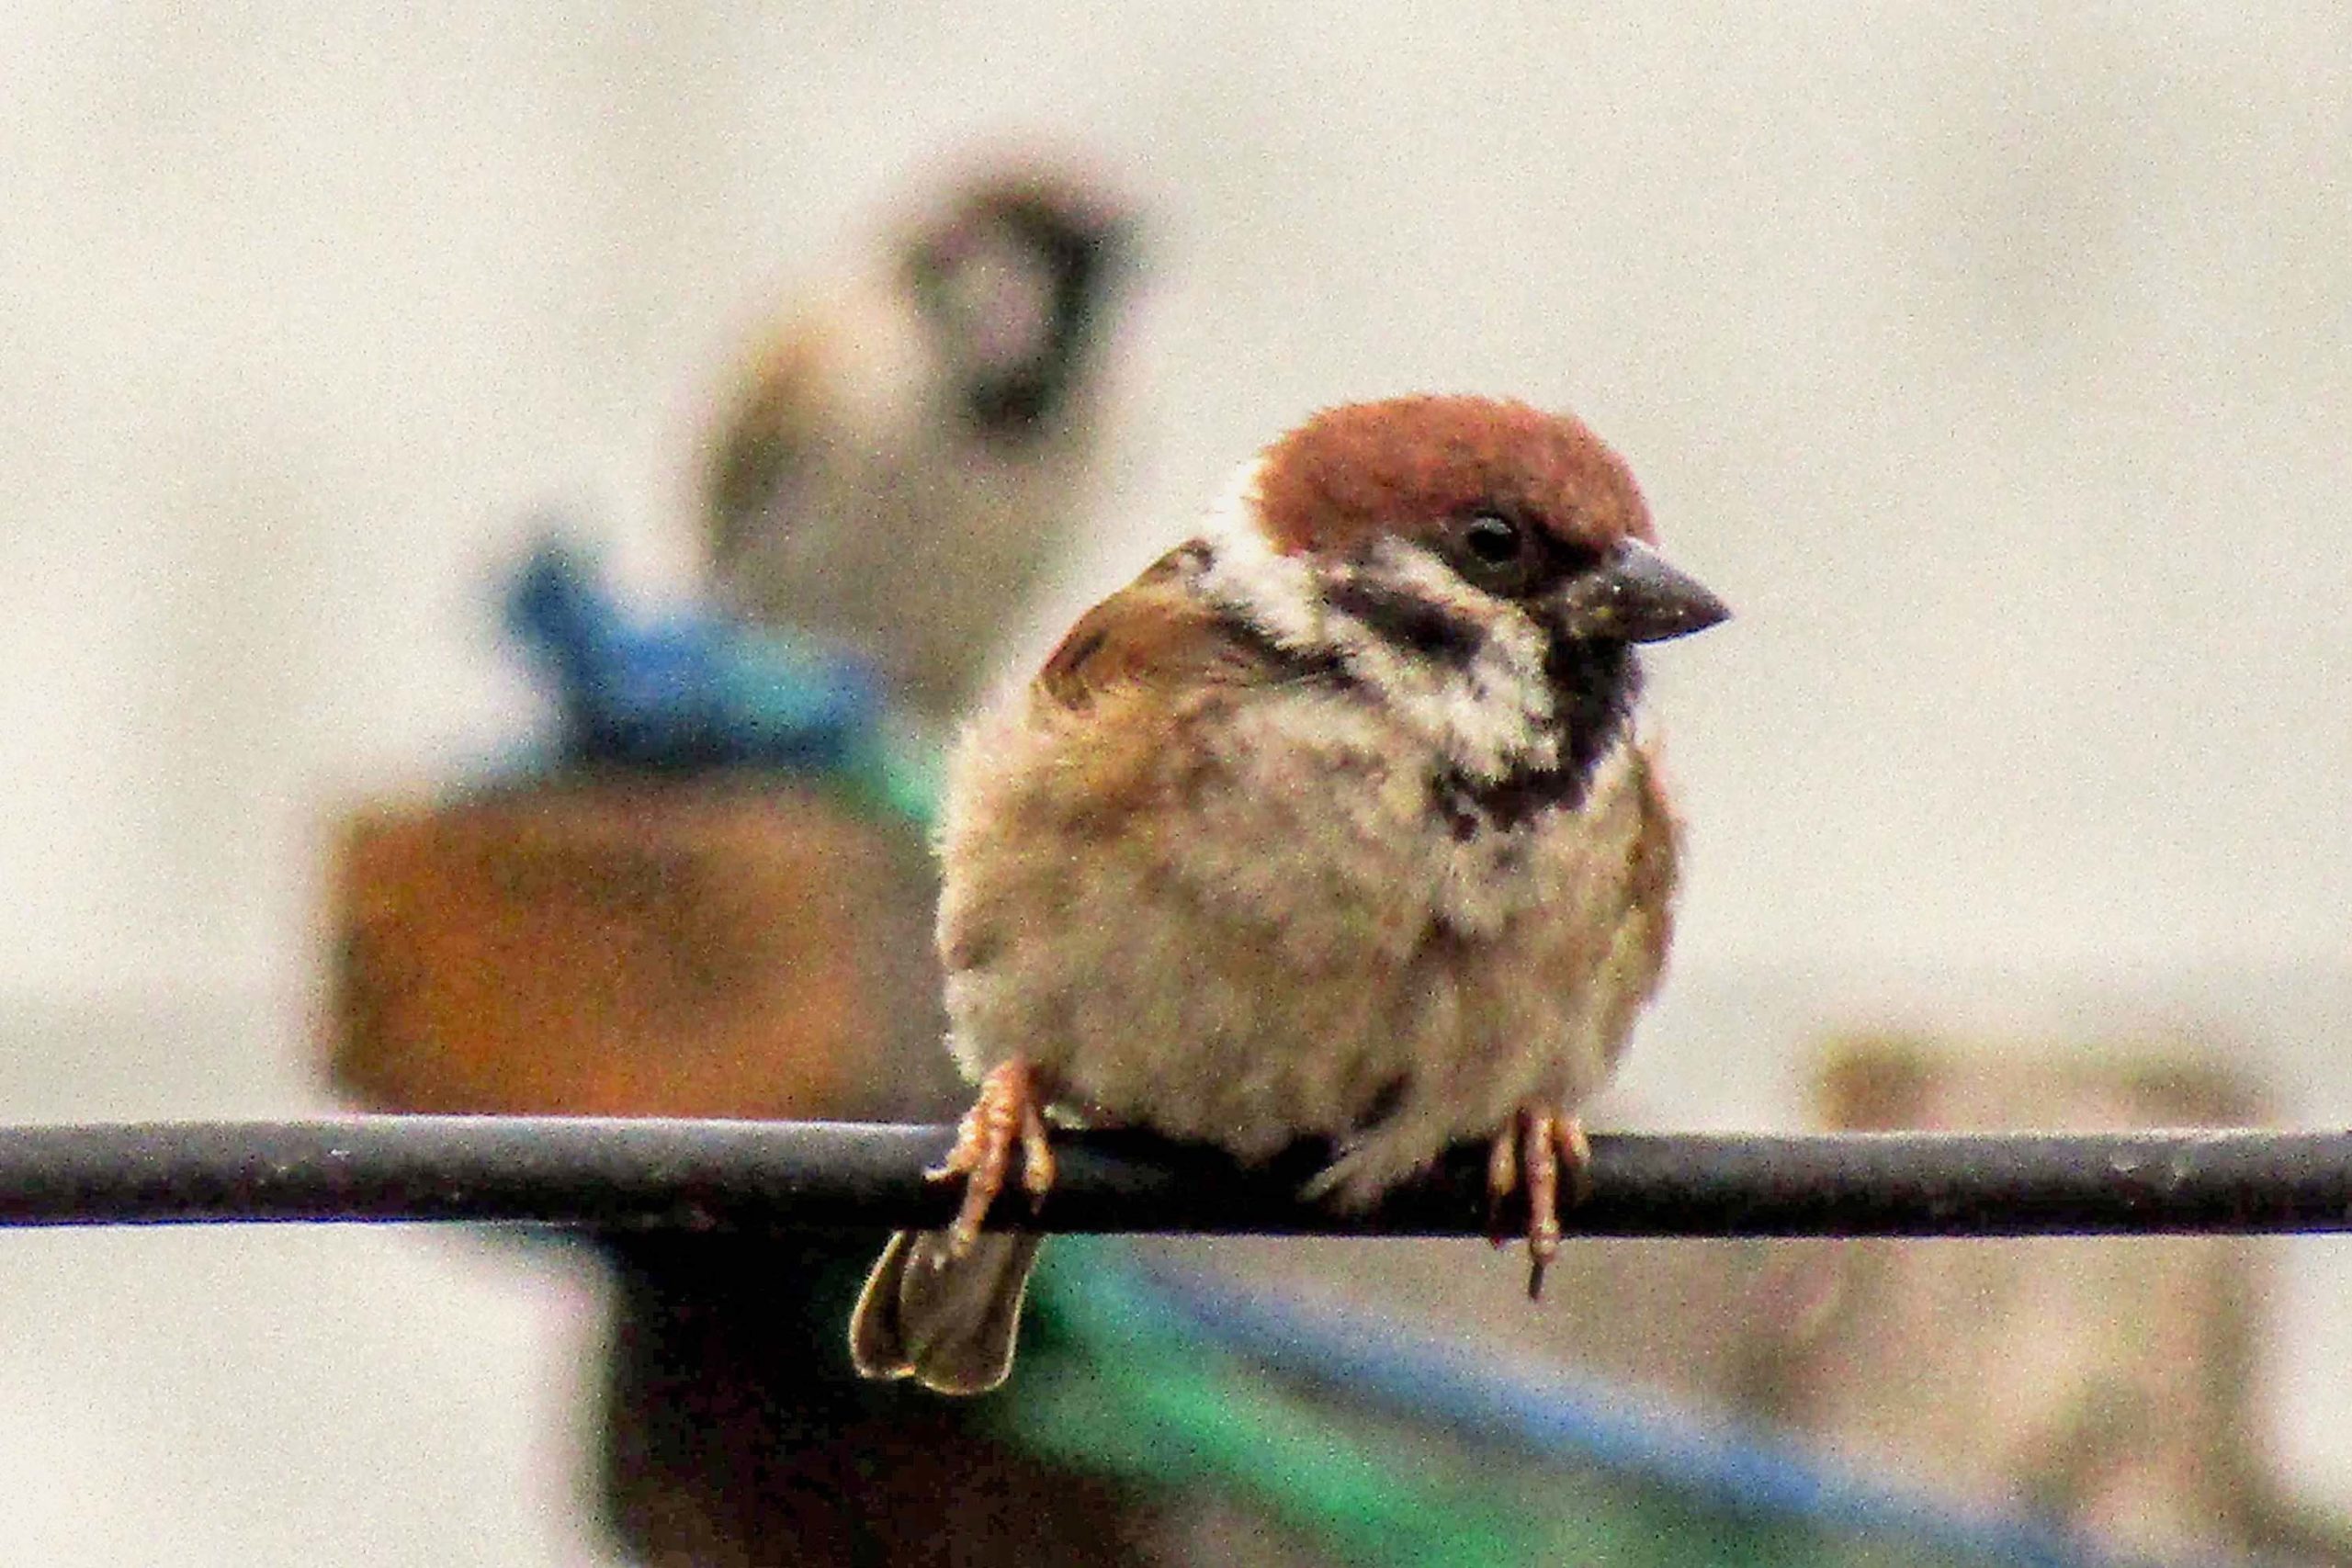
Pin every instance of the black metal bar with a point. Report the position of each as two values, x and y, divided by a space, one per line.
834 1175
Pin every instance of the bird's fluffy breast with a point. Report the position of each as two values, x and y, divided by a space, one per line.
1255 926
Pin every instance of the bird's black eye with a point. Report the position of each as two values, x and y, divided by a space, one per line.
1492 540
1492 552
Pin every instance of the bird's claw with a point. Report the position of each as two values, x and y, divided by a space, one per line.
1009 1112
1539 1151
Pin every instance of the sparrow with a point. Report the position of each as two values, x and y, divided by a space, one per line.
1335 823
905 455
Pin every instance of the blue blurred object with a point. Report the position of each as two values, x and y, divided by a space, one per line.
687 691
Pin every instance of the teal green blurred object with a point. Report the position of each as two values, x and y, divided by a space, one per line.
1110 1382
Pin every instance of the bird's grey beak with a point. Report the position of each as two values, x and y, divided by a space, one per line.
1635 595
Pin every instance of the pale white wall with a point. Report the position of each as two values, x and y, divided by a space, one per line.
1996 363
1996 371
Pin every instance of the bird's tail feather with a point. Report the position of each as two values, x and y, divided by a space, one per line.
947 1321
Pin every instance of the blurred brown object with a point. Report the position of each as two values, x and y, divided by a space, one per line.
717 946
725 946
2113 1385
735 947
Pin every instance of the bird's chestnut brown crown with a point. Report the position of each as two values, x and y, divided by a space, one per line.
1521 503
1411 465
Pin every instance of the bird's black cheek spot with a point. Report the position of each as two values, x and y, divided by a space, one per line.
1453 798
1315 667
1410 622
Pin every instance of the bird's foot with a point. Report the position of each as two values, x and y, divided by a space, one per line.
1541 1150
1010 1111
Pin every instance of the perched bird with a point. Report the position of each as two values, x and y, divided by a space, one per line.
908 453
1335 822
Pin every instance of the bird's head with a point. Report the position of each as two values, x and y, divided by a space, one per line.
1514 512
1485 564
1012 279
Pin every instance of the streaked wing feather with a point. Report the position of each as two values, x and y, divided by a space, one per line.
1156 634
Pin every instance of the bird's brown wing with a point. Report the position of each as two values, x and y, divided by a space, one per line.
1157 637
1107 752
762 442
1136 688
1652 839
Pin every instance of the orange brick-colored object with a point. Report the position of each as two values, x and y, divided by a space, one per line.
731 947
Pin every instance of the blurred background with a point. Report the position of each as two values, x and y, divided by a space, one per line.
1995 362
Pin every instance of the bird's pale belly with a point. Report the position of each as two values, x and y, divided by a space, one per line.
1207 1019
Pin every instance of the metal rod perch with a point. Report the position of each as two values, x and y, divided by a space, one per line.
710 1175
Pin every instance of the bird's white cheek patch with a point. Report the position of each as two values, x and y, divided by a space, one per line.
1491 712
1279 591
